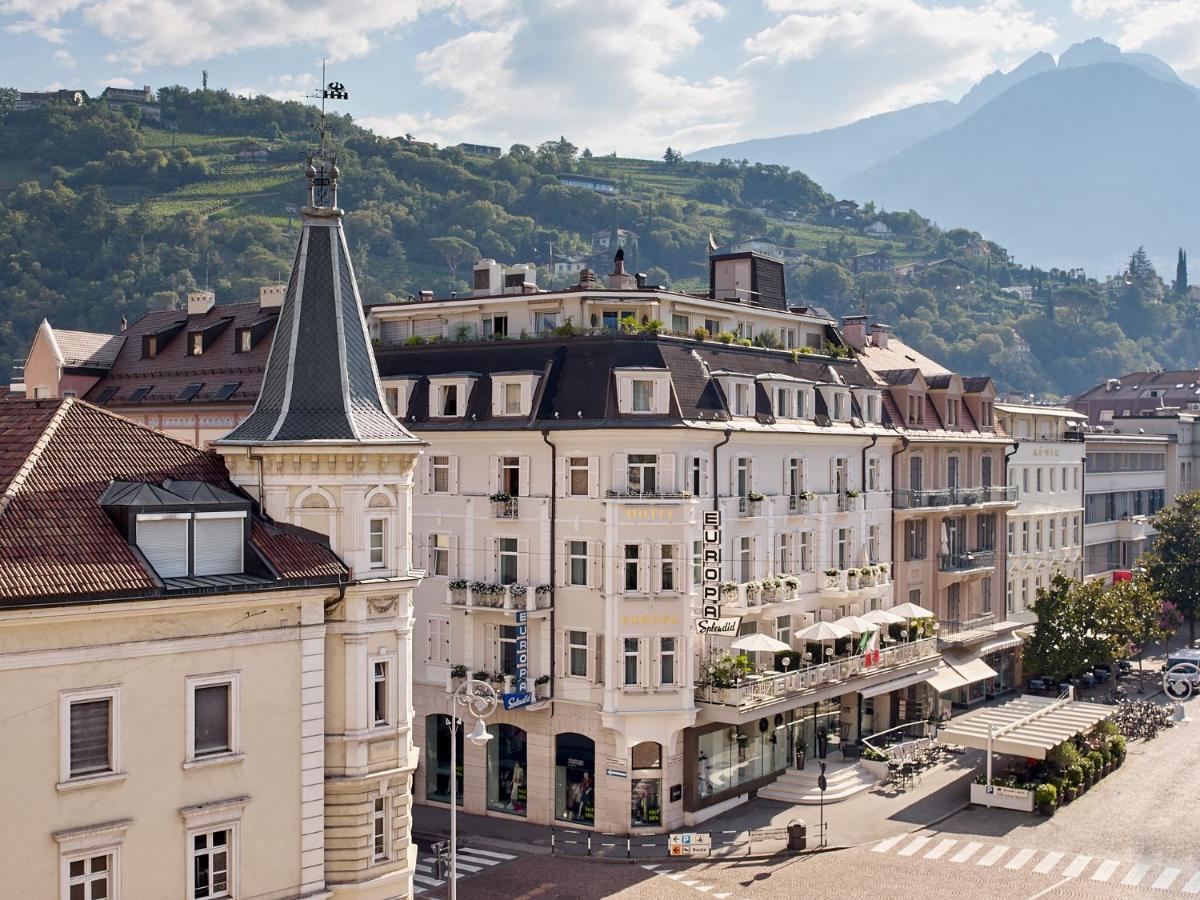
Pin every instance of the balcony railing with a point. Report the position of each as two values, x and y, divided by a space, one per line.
854 579
750 506
904 498
506 509
965 562
649 495
481 595
763 690
800 505
950 627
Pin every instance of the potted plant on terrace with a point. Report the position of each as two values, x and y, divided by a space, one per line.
541 687
771 587
1046 798
754 503
852 579
542 595
792 583
458 674
518 592
458 590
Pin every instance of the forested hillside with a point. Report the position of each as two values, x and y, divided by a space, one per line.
105 216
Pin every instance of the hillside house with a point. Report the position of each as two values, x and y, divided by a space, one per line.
875 261
144 99
27 100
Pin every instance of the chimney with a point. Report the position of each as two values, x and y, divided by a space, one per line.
854 331
619 279
270 296
426 296
879 335
200 302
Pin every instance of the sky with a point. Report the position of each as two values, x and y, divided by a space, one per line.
631 76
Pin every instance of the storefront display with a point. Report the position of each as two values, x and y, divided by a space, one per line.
739 754
645 807
574 779
437 759
507 767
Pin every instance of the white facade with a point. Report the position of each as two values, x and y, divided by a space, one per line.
1045 529
1127 478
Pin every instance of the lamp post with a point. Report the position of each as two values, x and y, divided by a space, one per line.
480 699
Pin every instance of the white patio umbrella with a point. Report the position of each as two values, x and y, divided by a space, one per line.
882 617
855 624
911 611
823 631
760 643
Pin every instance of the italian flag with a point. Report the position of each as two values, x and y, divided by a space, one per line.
868 647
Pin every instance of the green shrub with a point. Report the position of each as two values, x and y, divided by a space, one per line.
414 340
1074 774
725 337
1046 795
700 334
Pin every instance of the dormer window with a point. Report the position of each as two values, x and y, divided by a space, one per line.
951 412
512 393
916 409
398 391
986 415
197 343
448 400
784 403
512 399
643 391
643 395
150 346
245 341
839 406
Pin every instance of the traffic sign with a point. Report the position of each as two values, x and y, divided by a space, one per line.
689 844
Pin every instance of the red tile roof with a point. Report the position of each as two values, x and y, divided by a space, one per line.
57 543
172 369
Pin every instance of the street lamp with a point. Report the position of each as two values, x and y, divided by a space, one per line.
480 699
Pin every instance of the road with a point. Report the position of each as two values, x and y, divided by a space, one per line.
1133 835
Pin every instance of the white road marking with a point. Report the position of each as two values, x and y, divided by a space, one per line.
705 888
649 868
1078 864
1049 861
1165 880
940 850
917 844
1105 870
885 845
1052 887
966 852
689 883
1135 875
475 851
992 856
1193 885
721 896
428 882
1022 857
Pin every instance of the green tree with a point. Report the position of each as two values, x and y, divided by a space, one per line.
1079 624
1149 618
1181 274
454 252
1173 567
672 156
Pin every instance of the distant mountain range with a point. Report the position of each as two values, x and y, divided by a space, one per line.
1068 163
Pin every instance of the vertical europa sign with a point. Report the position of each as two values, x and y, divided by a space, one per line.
711 621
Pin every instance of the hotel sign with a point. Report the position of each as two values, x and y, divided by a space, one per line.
521 696
711 621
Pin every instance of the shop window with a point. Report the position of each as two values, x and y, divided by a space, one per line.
574 778
507 766
645 808
437 759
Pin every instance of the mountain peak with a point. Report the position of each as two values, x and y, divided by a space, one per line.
1097 51
998 82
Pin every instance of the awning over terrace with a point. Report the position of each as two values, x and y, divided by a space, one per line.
959 670
1028 726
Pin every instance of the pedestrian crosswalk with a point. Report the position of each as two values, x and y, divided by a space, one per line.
958 851
470 862
678 875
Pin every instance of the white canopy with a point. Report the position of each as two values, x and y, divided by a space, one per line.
911 611
760 643
856 625
959 670
882 617
823 631
1028 726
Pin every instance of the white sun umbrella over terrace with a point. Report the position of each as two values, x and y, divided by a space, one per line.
882 617
856 625
760 643
911 611
823 631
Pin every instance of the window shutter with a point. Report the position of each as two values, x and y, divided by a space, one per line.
681 660
750 473
454 474
625 395
563 479
495 560
523 560
526 487
666 472
564 560
454 564
595 658
427 473
643 661
733 468
704 488
219 544
495 474
165 544
493 648
497 398
561 653
430 541
655 662
593 476
656 569
596 565
644 567
620 473
90 730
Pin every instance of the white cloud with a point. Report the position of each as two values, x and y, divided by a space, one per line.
1169 29
64 58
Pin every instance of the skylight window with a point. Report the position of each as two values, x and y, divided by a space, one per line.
139 394
105 395
190 391
227 390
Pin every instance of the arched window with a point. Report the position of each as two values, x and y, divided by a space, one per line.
437 758
316 512
507 768
647 755
574 778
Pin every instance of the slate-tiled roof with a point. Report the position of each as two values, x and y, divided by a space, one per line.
57 544
173 369
320 383
87 349
578 387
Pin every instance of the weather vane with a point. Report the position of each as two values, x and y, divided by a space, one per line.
322 165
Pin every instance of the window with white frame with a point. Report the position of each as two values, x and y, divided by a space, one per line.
213 721
212 864
916 409
783 403
90 727
873 473
679 323
91 876
632 563
380 691
741 399
544 322
951 412
506 560
643 395
577 654
873 544
379 829
1011 532
1037 532
1051 533
666 568
447 404
743 477
783 629
745 558
643 473
1064 530
839 406
377 534
1025 536
794 477
695 475
439 544
440 467
697 562
666 660
577 563
512 398
806 551
843 546
579 476
802 404
510 476
783 552
630 661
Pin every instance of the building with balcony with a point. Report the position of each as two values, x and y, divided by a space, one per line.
1126 480
952 495
1044 535
561 502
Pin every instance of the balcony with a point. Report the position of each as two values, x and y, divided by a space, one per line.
751 505
1135 528
943 498
801 504
483 595
505 507
758 695
840 583
960 632
967 562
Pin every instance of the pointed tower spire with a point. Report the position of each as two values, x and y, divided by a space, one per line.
321 383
